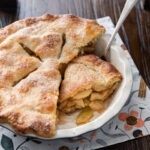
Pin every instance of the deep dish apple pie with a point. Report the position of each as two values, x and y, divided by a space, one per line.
33 54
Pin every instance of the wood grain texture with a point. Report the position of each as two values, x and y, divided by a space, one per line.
137 144
11 4
135 33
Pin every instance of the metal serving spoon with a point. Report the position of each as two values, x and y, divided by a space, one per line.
126 10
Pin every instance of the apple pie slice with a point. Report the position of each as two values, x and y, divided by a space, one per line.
30 105
88 82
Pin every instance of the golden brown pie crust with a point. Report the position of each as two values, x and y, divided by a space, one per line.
31 53
87 77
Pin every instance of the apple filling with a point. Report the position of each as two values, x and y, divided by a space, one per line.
88 82
87 98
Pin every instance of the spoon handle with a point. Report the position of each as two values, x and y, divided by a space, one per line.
126 10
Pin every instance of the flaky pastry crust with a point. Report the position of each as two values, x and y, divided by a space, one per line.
32 51
87 78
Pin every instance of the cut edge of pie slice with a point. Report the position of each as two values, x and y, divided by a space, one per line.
88 82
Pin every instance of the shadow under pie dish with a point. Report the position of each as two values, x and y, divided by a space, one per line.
32 52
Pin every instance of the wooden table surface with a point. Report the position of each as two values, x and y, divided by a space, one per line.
135 33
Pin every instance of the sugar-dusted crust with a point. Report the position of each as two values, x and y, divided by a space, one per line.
30 106
85 73
31 53
59 36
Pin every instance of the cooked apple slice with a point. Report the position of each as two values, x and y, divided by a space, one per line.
84 116
83 94
97 106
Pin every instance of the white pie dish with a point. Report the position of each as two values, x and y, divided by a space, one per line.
119 60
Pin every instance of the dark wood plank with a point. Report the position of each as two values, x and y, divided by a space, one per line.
147 5
6 18
135 33
137 144
8 5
